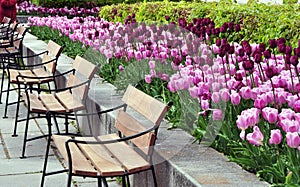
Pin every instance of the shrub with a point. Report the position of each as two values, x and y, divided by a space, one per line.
260 22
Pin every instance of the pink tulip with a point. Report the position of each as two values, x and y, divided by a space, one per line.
242 122
290 125
217 115
297 106
152 64
148 79
245 92
204 104
224 93
260 102
276 137
215 97
255 138
121 68
235 98
270 114
242 134
292 139
195 91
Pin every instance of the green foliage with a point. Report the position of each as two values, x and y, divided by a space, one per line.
147 12
70 48
87 3
259 22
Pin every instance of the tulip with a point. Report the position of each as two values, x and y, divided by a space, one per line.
275 137
270 114
217 115
235 98
292 139
148 79
255 138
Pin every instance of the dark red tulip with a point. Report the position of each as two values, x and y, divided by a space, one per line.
272 43
267 53
294 60
248 65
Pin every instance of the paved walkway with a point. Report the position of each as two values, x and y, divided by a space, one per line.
16 172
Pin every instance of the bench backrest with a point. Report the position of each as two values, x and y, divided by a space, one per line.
152 109
54 50
84 70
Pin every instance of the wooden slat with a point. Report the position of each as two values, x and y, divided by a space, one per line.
35 104
101 159
84 67
81 91
51 103
80 165
148 106
70 102
129 126
53 48
130 159
51 66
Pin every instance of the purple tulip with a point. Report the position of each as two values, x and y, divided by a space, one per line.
262 47
272 43
275 137
281 48
294 60
167 18
237 27
267 53
288 50
248 65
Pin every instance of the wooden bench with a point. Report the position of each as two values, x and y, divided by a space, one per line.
69 99
119 154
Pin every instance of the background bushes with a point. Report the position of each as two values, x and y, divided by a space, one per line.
260 22
87 3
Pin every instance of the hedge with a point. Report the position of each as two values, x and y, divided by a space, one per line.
260 22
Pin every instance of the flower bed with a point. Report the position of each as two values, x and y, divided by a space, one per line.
244 96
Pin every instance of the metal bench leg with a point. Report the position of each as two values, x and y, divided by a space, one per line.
25 135
2 82
17 112
124 181
128 182
104 182
69 179
154 176
46 159
7 97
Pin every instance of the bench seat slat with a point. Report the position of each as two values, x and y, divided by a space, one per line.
80 165
69 101
129 158
102 160
35 104
51 103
